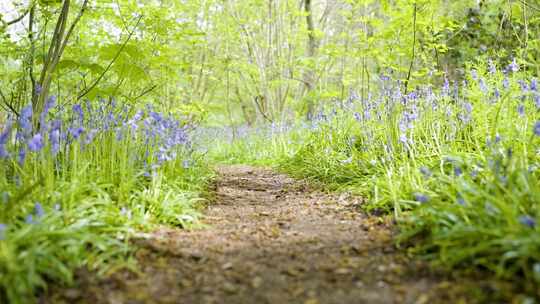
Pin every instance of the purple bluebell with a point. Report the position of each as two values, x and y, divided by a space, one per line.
474 74
76 132
425 171
534 85
460 200
527 220
421 198
38 209
3 229
29 219
4 138
536 129
54 138
186 164
22 156
57 207
125 212
51 102
446 87
89 138
474 173
523 86
496 94
39 88
3 152
498 138
482 85
513 66
492 69
25 123
36 143
77 109
403 139
458 171
521 109
506 83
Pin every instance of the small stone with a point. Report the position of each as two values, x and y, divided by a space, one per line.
229 287
256 282
342 271
227 266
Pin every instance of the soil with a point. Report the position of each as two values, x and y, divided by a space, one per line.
271 239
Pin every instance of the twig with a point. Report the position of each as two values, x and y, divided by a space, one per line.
413 49
94 84
21 17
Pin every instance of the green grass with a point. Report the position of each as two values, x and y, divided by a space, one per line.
80 207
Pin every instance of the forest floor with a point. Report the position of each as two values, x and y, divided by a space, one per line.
271 239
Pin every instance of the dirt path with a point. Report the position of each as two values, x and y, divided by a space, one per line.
270 239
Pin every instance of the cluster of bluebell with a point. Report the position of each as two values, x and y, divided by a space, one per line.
153 138
162 135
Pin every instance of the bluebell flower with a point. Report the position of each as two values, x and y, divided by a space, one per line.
458 171
126 212
421 198
496 93
498 138
36 143
483 86
460 200
54 138
3 228
523 86
521 109
3 152
39 88
403 139
90 136
492 69
425 171
4 136
534 85
536 129
513 66
29 219
77 109
38 208
186 164
474 74
527 220
446 87
506 83
51 102
25 122
57 207
76 132
22 156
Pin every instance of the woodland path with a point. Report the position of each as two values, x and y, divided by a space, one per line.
270 239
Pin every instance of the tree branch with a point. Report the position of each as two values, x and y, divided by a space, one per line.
21 17
95 83
413 49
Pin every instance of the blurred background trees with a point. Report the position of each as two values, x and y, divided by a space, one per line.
252 60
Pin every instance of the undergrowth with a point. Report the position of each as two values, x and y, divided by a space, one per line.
76 184
458 166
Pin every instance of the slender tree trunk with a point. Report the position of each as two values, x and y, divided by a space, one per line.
309 75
